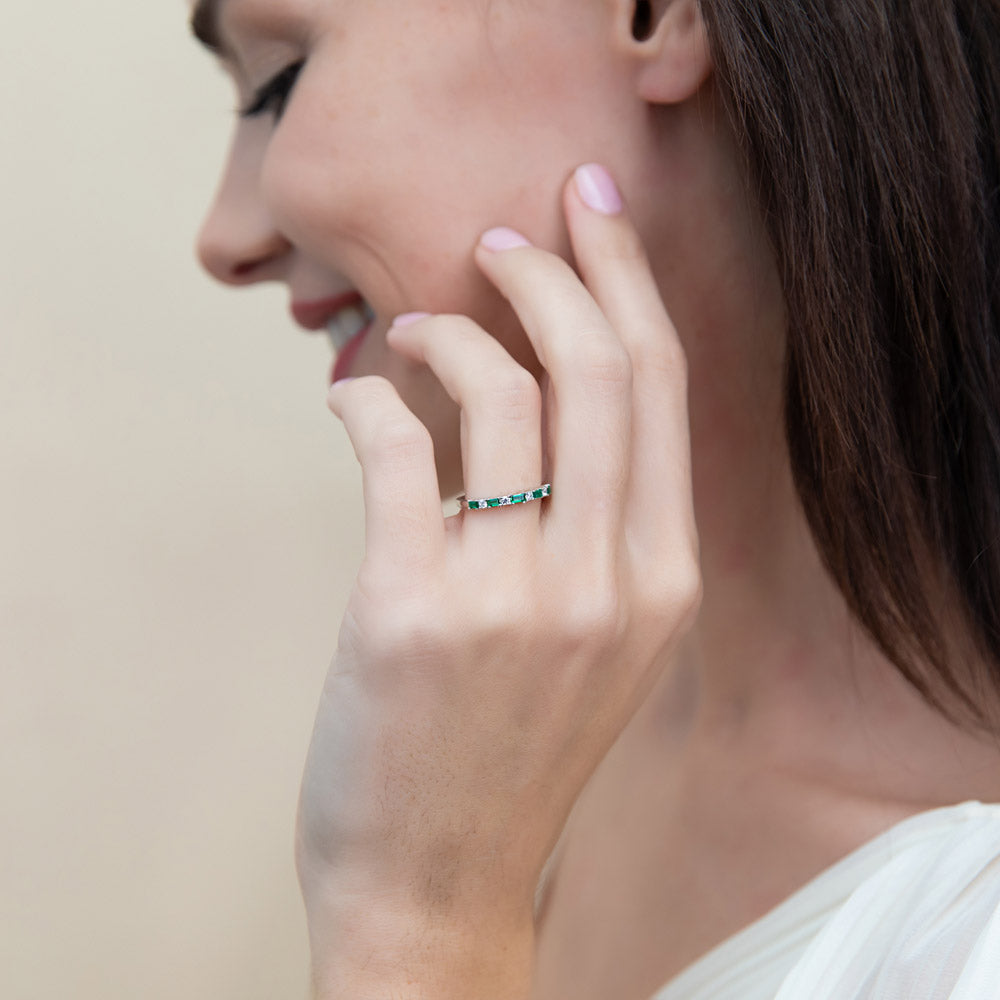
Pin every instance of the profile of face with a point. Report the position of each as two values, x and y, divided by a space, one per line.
378 141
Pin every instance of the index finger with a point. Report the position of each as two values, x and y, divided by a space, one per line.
404 526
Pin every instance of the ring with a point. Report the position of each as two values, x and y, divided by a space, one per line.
508 501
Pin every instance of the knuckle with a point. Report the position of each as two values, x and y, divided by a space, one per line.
593 619
674 356
661 355
602 361
514 393
408 634
672 593
497 615
398 439
400 631
688 590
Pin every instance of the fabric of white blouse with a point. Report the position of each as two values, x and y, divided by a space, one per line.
912 915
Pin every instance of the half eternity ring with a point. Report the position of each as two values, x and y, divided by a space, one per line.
508 501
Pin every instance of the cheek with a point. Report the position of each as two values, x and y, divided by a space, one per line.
298 180
395 192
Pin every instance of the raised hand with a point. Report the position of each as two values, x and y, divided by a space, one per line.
487 662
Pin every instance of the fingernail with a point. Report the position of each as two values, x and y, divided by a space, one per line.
341 381
407 319
597 189
503 239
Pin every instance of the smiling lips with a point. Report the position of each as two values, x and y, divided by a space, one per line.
346 319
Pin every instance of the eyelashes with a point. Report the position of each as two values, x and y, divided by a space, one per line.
272 97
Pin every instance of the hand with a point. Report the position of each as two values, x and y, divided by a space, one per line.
487 662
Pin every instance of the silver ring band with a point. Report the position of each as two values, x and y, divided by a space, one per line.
512 499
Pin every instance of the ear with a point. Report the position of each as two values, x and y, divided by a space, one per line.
669 44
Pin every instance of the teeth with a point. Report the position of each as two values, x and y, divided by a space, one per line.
347 323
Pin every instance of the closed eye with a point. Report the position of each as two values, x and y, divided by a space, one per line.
273 96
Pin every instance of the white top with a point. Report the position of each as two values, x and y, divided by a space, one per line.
912 915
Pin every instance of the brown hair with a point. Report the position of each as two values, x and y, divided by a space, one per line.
871 130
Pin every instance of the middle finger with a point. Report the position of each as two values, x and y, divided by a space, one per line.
591 383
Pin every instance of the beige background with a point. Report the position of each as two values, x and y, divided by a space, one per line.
179 523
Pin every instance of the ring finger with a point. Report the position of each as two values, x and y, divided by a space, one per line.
501 412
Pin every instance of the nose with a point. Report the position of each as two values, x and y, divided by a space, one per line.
238 243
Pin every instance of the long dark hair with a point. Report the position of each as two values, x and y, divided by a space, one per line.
871 130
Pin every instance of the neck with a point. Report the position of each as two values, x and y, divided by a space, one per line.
776 661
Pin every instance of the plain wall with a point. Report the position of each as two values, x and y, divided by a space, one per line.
179 524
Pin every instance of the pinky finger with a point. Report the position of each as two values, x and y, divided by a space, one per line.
404 525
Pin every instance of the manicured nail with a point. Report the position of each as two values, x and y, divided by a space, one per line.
341 381
503 239
407 319
597 190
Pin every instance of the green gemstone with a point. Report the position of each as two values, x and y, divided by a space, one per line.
495 502
517 498
538 494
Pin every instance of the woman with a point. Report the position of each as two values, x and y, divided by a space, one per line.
566 747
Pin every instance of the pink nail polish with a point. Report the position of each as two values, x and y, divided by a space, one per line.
408 319
503 238
597 189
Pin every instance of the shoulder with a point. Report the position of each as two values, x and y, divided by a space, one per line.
925 925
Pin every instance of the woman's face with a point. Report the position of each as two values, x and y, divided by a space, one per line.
411 127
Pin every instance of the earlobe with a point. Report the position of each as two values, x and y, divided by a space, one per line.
668 40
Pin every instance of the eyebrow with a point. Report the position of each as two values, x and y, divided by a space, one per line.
205 26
